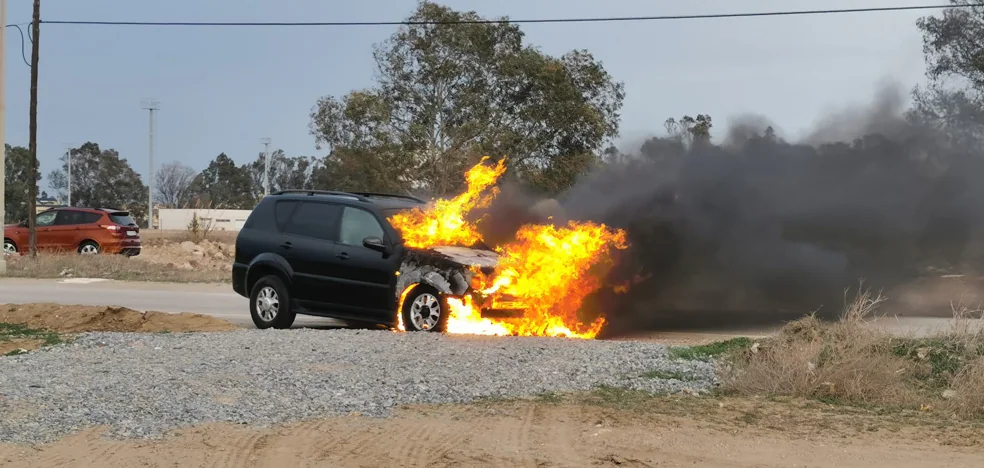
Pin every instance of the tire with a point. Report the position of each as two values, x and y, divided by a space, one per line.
89 248
425 309
9 247
269 304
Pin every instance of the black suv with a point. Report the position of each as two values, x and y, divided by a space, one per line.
334 254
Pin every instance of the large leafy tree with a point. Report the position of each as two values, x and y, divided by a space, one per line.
954 51
101 179
448 94
285 172
16 167
223 185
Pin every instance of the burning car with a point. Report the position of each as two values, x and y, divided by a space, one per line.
400 261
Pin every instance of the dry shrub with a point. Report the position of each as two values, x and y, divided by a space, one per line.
116 267
968 390
843 361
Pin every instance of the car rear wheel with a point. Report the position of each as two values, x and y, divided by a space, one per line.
425 310
9 248
269 304
88 248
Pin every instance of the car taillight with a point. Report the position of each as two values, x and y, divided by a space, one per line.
112 228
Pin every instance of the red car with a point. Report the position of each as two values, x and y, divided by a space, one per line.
83 230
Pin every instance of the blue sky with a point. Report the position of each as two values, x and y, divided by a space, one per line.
223 89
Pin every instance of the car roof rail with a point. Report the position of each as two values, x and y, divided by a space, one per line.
322 192
390 195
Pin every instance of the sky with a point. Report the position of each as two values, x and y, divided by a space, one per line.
224 89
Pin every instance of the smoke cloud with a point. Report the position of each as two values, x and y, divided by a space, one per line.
758 225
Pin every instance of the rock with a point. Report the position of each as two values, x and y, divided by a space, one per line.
949 394
189 246
199 254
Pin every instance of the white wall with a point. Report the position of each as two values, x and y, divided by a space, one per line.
220 220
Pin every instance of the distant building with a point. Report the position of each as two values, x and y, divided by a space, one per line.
216 220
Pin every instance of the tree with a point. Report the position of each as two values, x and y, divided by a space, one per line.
223 185
101 179
15 179
285 172
449 94
172 184
954 52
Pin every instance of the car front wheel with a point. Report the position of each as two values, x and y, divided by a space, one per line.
9 248
269 304
425 310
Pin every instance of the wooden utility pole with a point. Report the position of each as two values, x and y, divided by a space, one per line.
32 191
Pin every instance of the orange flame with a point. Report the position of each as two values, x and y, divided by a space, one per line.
444 222
548 269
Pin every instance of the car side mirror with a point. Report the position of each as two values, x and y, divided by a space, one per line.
22 224
374 243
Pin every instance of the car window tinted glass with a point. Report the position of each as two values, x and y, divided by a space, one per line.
89 218
68 218
123 219
282 212
46 219
315 220
358 224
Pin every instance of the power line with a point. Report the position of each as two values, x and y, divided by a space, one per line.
521 21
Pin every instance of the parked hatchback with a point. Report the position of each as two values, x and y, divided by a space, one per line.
82 230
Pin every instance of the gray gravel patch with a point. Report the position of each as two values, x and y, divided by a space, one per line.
142 385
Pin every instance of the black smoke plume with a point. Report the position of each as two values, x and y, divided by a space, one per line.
758 225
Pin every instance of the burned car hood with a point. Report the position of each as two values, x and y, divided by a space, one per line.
449 269
468 256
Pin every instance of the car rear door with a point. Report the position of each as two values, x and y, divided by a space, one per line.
308 243
64 233
368 275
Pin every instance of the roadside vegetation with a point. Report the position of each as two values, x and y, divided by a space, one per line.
114 267
852 363
18 339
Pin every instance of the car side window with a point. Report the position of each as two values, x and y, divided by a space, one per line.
89 218
357 224
68 218
315 220
282 211
45 219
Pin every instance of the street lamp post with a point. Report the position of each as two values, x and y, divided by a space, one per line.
266 165
151 105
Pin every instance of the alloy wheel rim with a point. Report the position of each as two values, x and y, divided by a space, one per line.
267 304
425 312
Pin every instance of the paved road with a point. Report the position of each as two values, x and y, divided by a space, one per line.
219 301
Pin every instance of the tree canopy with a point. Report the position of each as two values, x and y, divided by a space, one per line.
446 95
16 167
100 179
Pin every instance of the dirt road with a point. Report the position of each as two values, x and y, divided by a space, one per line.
706 433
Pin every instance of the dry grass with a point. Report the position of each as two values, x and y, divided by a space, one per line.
850 362
115 267
156 237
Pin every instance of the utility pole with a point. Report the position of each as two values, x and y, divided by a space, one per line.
3 110
151 105
32 176
68 156
266 165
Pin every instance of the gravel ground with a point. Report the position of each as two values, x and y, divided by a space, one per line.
142 385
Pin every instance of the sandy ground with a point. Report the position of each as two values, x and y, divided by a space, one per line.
704 432
62 319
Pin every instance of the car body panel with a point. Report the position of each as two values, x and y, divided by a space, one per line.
329 276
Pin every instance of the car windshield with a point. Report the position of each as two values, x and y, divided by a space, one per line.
123 219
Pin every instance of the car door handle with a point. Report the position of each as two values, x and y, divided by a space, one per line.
343 255
285 246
